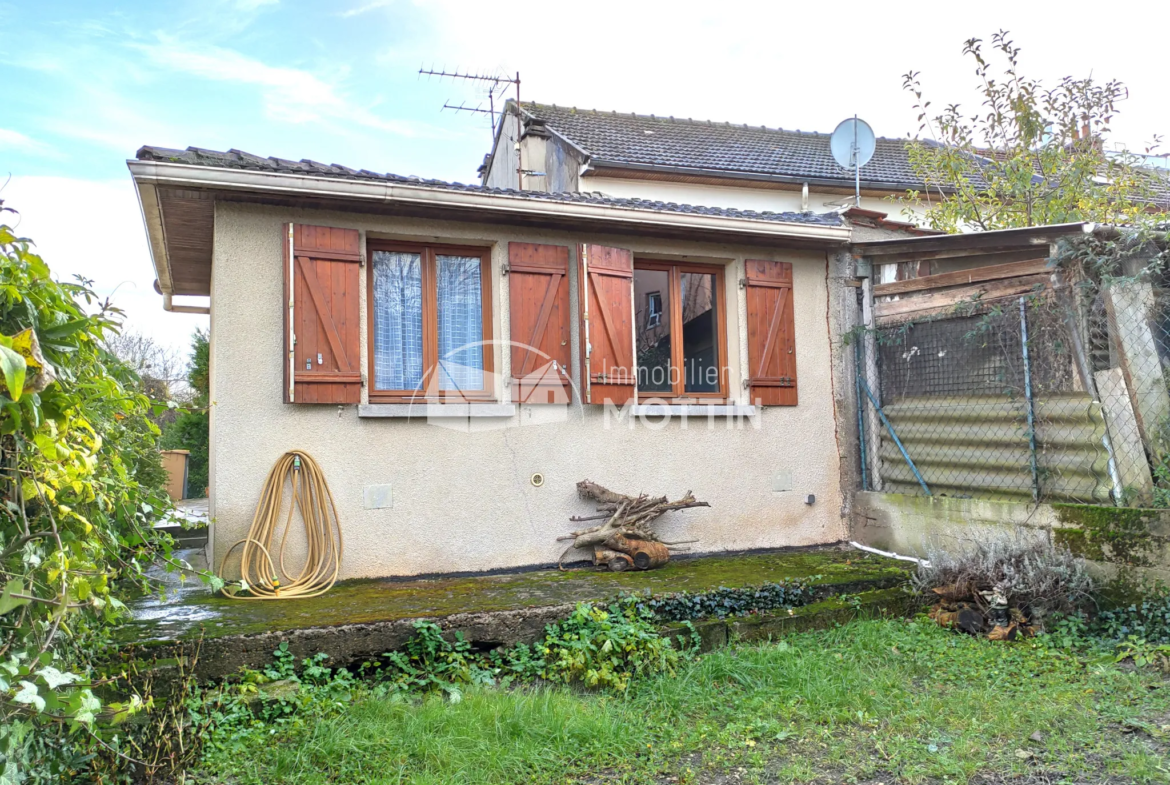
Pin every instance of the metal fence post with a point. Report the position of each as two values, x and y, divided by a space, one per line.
857 363
1031 403
894 435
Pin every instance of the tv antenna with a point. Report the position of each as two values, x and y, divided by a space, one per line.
497 85
852 145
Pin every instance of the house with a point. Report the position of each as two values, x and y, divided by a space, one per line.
456 358
545 147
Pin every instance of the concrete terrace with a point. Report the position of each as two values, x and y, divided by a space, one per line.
367 617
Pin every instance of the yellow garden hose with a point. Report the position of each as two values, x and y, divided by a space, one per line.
311 495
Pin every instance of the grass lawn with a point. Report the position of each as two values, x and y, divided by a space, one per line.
870 701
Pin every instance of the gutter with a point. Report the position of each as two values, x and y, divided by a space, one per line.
152 174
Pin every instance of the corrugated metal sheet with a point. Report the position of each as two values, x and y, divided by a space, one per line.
978 446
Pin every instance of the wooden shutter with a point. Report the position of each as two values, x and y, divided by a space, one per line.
771 333
607 332
324 344
538 294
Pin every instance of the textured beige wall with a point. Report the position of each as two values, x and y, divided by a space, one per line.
462 499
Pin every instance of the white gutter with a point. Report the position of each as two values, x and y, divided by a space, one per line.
159 173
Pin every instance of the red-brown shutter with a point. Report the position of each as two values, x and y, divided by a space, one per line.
607 337
771 329
325 344
538 296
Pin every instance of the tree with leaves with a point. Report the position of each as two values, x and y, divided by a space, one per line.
191 430
1029 156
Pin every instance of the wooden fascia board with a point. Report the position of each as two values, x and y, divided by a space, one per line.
981 242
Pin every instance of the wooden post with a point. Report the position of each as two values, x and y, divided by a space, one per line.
870 372
1128 456
1129 306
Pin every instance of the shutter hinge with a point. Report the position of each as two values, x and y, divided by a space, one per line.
743 283
504 269
362 259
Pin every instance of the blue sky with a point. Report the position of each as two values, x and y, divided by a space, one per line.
86 83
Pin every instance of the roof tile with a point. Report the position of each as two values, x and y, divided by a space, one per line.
238 159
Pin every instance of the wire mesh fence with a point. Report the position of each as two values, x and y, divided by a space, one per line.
1059 395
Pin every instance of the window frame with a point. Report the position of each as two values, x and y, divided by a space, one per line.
674 295
430 323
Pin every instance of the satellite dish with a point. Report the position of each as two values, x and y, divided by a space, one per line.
852 145
851 135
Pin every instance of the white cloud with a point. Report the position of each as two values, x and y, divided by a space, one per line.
15 140
94 229
374 5
290 95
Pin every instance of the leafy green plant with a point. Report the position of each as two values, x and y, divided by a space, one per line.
429 661
1146 615
723 602
79 490
605 646
1143 653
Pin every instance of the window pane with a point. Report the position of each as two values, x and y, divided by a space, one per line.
460 323
652 333
700 332
398 352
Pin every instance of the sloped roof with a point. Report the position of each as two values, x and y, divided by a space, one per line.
238 159
667 142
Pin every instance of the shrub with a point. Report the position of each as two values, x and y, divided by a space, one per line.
1030 573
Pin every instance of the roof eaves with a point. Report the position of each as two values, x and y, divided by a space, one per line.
172 170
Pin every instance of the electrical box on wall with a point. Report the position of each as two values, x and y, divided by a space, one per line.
378 497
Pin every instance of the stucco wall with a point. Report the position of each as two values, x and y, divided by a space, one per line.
462 498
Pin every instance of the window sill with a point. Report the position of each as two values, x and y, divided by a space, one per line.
420 411
692 410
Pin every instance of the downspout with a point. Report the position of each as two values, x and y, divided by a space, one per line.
169 306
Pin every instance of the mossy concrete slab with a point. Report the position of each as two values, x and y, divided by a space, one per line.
359 619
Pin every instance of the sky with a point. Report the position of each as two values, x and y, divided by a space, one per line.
86 83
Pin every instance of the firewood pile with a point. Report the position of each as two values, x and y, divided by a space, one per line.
980 613
626 539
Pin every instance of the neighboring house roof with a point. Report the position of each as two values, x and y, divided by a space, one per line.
614 139
237 159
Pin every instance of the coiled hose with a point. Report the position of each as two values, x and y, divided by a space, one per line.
311 495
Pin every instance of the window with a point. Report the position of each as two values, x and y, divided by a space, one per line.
680 340
430 322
